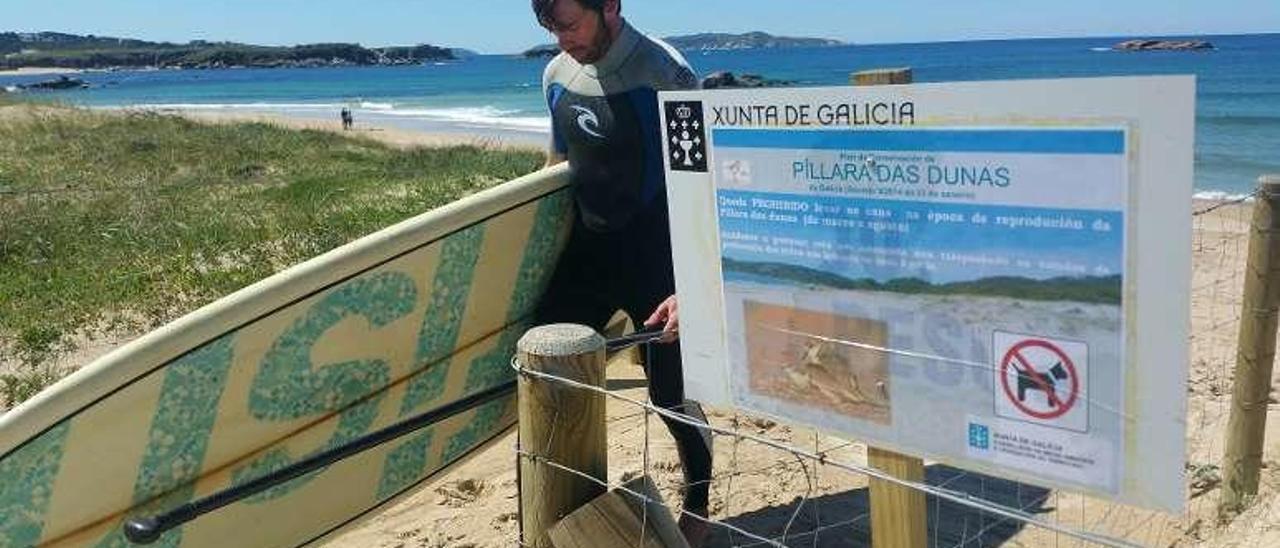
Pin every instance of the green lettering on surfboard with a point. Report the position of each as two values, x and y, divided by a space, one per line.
494 368
407 464
179 436
289 387
437 341
536 267
27 485
478 430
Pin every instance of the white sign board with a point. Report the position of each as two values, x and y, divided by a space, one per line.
990 275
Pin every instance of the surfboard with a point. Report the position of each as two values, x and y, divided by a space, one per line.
404 321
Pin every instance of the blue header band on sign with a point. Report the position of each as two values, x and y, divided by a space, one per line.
1108 141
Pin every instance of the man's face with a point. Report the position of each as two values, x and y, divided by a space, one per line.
580 32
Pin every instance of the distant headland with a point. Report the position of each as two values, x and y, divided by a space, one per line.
53 49
1163 45
713 41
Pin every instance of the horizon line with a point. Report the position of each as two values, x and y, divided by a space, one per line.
844 42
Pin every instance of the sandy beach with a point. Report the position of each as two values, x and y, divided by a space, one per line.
394 136
37 71
386 134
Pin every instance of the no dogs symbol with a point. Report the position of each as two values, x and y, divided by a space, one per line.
1040 380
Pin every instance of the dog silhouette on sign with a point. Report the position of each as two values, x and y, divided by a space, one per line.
1044 382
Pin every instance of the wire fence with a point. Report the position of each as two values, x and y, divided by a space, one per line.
779 485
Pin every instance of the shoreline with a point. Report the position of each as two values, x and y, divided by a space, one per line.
399 137
39 71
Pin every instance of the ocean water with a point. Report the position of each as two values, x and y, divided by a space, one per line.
1238 110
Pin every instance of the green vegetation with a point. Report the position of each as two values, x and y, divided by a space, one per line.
111 221
49 49
1082 289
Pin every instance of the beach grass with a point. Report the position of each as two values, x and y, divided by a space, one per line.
125 221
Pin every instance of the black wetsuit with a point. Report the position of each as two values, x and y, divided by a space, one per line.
605 121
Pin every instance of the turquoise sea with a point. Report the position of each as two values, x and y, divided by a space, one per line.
1238 110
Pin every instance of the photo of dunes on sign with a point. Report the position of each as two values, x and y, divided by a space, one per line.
821 360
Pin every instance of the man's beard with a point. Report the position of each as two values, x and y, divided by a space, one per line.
602 43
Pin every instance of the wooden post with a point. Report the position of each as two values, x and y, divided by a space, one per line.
880 77
1255 352
898 518
561 424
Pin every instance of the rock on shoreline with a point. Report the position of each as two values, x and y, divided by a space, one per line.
546 51
60 83
726 80
1163 45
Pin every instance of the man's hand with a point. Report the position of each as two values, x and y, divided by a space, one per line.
668 314
554 158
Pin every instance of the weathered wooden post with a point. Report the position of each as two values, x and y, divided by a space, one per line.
1255 352
898 518
560 424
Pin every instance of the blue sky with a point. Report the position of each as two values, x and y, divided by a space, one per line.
502 26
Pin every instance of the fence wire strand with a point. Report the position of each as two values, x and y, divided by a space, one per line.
957 497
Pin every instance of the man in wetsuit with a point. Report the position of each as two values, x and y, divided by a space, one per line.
602 93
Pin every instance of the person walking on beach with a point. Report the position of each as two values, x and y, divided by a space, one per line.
347 119
602 94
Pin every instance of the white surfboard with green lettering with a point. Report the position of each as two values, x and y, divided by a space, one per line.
407 320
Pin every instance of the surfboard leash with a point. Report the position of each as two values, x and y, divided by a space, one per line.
648 335
148 529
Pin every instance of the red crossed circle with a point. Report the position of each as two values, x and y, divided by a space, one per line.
1015 354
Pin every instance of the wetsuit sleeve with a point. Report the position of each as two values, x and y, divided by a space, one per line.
677 75
683 78
552 92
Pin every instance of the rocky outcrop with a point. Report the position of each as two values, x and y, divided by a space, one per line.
89 52
750 40
713 41
62 82
541 52
728 80
1163 45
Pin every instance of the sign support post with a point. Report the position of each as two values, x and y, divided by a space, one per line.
898 518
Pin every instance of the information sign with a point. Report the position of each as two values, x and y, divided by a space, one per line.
991 275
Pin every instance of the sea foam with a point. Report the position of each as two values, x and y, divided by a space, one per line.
479 117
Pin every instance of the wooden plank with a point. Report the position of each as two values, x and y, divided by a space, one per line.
620 519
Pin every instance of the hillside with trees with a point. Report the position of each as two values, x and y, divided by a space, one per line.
712 41
51 49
